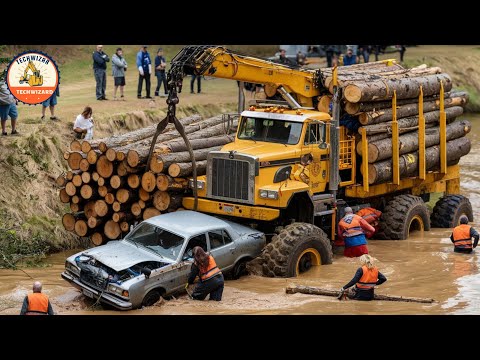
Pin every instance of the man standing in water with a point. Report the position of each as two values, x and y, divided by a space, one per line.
462 237
351 230
37 303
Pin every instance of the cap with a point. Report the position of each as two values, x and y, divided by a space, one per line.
348 209
145 46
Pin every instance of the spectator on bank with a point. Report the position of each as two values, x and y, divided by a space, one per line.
401 49
199 83
283 59
8 108
119 66
364 51
100 60
301 58
144 65
350 58
83 126
160 67
51 103
329 52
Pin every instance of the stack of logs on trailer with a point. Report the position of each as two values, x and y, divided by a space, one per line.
367 107
108 188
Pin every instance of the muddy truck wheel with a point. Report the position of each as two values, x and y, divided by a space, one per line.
448 209
403 214
296 249
151 298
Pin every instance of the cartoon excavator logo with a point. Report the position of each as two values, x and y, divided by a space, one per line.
33 80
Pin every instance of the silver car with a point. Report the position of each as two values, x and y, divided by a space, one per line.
155 258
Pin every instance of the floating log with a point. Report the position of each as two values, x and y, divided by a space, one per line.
335 293
382 149
405 124
381 171
406 88
185 169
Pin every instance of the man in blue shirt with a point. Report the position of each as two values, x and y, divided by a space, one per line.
349 58
144 65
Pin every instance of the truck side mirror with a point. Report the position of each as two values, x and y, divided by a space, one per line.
323 146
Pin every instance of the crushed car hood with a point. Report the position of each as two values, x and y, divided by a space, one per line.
119 255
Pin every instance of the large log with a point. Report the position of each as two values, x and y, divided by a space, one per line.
139 154
163 161
335 293
101 208
178 146
137 135
380 150
167 183
112 230
64 197
161 200
185 169
381 171
87 192
86 147
117 182
124 195
81 228
149 181
77 180
406 124
406 88
74 160
68 221
75 145
379 116
133 181
150 212
98 238
92 155
84 165
104 167
70 189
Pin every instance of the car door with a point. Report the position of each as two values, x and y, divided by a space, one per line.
186 261
222 248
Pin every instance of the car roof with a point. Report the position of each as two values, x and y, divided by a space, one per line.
187 223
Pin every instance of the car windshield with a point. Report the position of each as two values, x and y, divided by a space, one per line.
268 130
156 239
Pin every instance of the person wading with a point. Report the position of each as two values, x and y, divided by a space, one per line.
211 278
365 280
462 237
37 303
351 230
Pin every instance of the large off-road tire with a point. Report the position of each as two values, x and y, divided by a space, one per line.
295 249
401 215
448 209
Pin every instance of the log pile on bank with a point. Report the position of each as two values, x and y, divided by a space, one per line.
108 188
367 108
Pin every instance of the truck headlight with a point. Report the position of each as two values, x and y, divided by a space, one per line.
200 184
72 268
269 194
113 288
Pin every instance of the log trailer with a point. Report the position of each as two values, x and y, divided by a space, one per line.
292 169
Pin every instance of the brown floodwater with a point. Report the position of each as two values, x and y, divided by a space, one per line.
422 266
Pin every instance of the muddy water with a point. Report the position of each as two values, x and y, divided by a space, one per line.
423 266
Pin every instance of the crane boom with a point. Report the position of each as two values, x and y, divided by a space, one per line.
217 61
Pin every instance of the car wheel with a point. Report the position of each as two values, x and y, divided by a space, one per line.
239 269
151 298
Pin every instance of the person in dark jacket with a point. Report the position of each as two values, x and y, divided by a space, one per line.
199 83
37 303
283 59
211 278
160 67
350 58
365 280
144 65
462 237
329 52
100 60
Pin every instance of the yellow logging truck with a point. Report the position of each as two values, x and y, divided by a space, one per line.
292 169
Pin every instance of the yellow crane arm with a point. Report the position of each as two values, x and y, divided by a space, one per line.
219 62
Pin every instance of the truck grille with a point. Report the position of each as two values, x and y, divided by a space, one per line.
230 179
95 282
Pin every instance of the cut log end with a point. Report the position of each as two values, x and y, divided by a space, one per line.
60 181
112 230
101 208
352 93
68 221
150 212
161 200
86 147
156 166
104 167
109 198
81 228
135 209
64 197
133 181
97 239
133 159
149 181
75 145
111 154
92 157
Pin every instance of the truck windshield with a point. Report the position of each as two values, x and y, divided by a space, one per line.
268 130
156 239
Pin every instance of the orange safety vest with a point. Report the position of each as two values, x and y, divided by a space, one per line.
211 271
351 225
369 278
369 214
37 304
461 237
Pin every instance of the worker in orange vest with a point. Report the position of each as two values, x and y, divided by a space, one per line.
36 303
365 280
462 237
351 230
372 216
211 278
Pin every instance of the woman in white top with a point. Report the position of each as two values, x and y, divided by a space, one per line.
83 126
